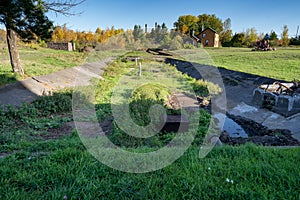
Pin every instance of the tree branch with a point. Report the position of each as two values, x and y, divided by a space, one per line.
62 6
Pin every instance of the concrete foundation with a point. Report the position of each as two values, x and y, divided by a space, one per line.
286 105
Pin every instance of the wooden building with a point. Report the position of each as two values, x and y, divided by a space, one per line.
209 38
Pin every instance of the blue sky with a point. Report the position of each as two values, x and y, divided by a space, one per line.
264 15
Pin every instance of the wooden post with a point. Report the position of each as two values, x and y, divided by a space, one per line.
140 69
136 61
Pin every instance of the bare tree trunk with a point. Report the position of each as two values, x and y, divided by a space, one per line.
11 37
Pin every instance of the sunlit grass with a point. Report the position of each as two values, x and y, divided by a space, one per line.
282 64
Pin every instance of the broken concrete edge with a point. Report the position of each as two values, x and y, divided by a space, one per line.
264 121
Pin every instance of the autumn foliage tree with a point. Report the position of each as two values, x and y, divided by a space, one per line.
186 23
251 37
285 36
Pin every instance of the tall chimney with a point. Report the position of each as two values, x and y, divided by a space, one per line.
146 28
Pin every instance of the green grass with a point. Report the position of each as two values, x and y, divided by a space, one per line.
38 62
54 169
282 64
36 168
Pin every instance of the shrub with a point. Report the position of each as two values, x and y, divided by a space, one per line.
144 98
204 89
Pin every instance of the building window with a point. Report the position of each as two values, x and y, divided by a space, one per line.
206 42
204 35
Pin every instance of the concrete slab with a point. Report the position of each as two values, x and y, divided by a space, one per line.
15 94
187 102
27 90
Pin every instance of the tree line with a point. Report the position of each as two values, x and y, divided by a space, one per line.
189 24
83 38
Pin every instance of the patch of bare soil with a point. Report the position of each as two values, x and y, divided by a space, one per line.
92 129
56 133
275 138
67 128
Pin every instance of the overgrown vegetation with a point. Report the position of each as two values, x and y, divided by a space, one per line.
29 122
166 80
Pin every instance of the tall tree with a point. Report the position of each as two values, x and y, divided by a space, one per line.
273 35
251 37
27 19
210 21
138 32
226 34
186 23
285 36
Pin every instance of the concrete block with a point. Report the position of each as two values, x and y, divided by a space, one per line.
258 97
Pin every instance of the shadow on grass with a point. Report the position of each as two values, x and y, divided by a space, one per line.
7 79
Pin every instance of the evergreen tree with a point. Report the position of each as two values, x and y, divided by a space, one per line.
273 35
137 32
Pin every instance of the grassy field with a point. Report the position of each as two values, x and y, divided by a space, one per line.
34 166
282 64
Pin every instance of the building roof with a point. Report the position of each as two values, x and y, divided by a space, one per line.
210 29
